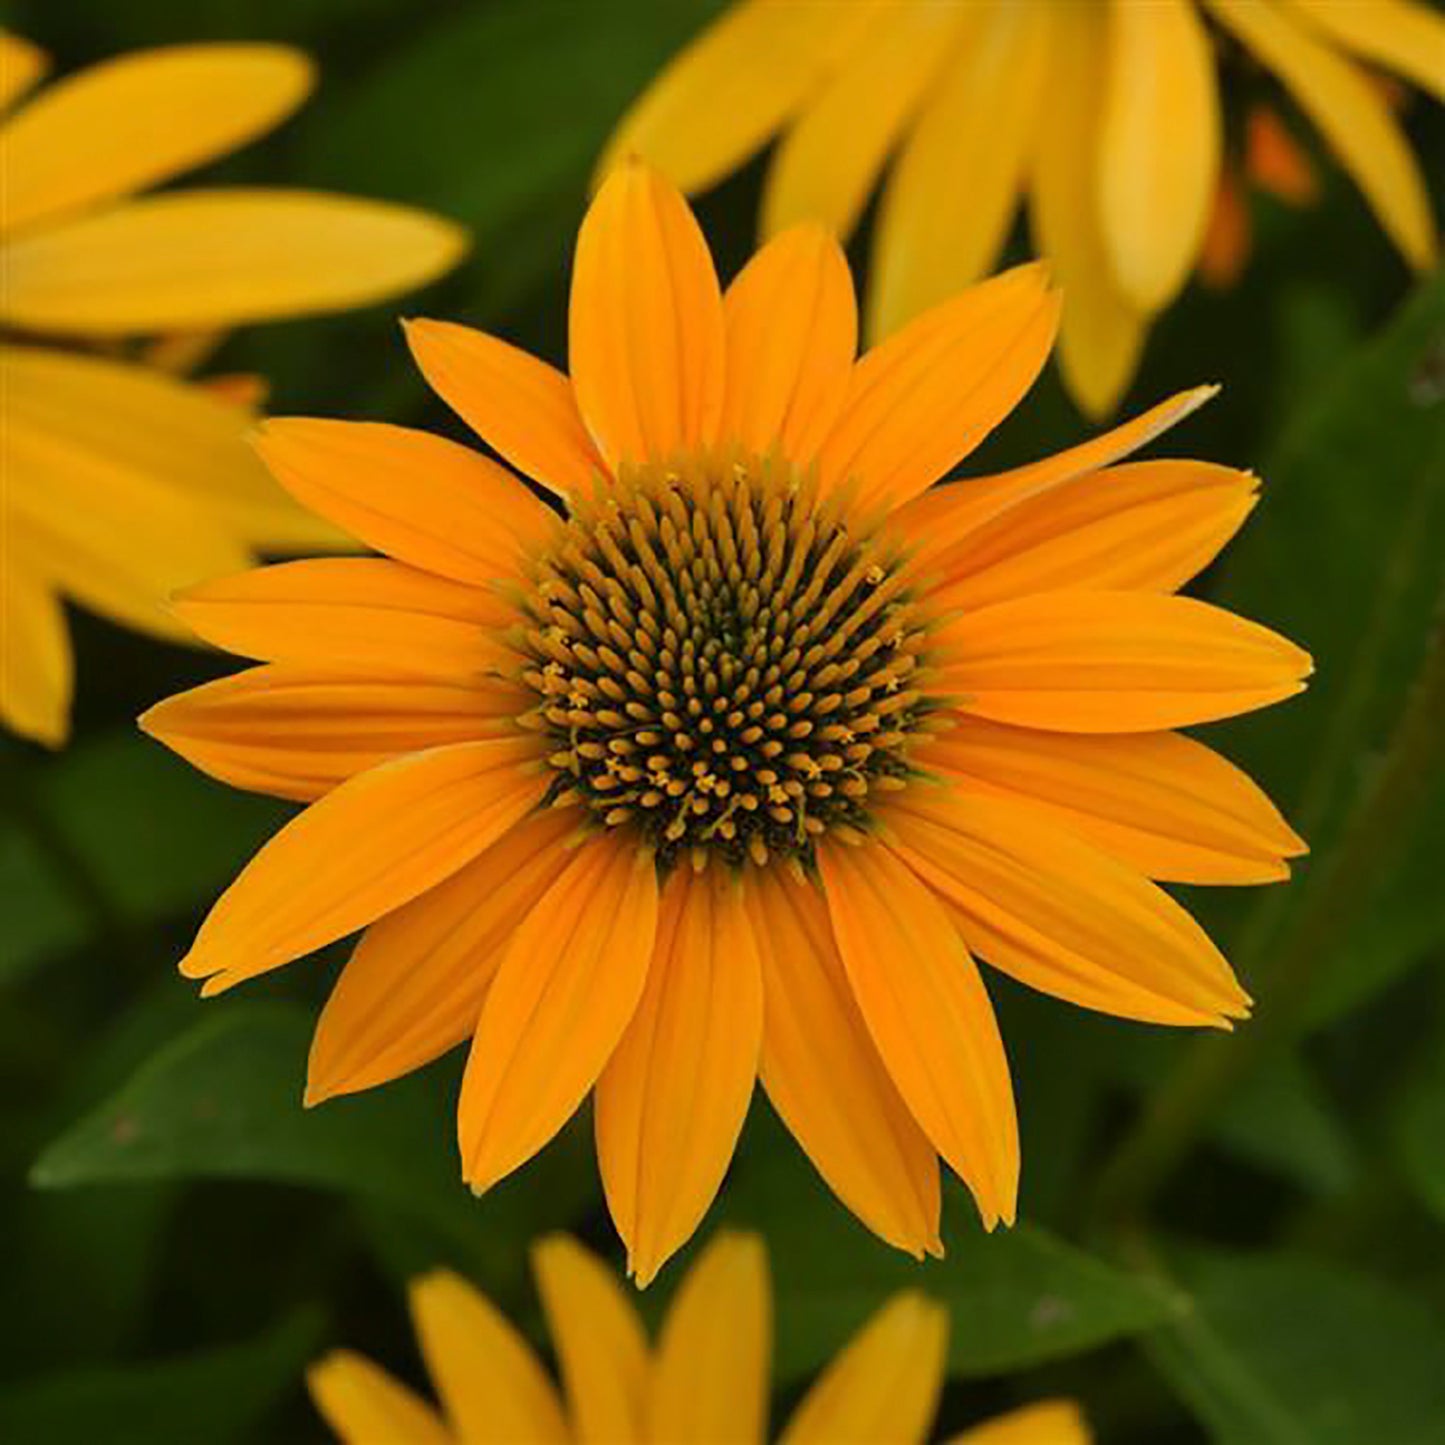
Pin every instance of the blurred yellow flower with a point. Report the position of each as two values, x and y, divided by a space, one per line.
1106 113
705 1381
121 482
724 774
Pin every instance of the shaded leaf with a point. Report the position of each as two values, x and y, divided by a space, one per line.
1287 1351
216 1396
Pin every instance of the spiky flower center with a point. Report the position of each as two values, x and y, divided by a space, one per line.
723 666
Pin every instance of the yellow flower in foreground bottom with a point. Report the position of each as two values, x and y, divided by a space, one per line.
706 1381
122 483
1106 113
730 771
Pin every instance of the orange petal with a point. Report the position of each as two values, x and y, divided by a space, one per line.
492 1384
884 1385
942 517
36 664
1114 662
1229 236
1050 1422
376 842
415 985
366 615
599 1342
514 402
296 732
711 1377
792 330
192 259
734 86
1276 162
567 987
672 1098
1145 526
363 1405
954 186
823 1074
1160 145
1054 912
646 322
922 400
929 1015
1346 106
419 498
130 122
1160 802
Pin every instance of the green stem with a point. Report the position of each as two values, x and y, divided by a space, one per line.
1147 1158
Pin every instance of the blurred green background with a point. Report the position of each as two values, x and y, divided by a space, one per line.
1258 1261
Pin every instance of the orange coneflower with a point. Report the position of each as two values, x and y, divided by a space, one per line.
705 1381
730 769
1106 115
122 482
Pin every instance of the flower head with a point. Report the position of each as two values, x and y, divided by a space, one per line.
122 480
727 770
1106 116
705 1380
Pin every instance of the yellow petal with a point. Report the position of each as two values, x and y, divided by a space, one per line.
885 1384
943 516
364 615
193 259
1053 1422
1145 526
1350 113
599 1341
922 400
514 402
929 1015
1162 803
711 1378
733 87
163 434
1114 662
415 985
824 1077
792 330
492 1385
130 122
672 1098
565 990
36 666
828 160
951 194
645 322
297 732
1102 334
1159 146
379 840
363 1405
21 66
1054 912
419 498
1399 35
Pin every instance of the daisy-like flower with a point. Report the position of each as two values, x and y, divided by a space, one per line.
123 482
1105 113
729 770
705 1381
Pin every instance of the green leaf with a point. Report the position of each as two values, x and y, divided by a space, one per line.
1417 1130
495 116
1348 558
217 1396
1017 1297
39 920
1286 1351
224 1101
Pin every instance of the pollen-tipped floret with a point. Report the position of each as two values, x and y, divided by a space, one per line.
722 664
